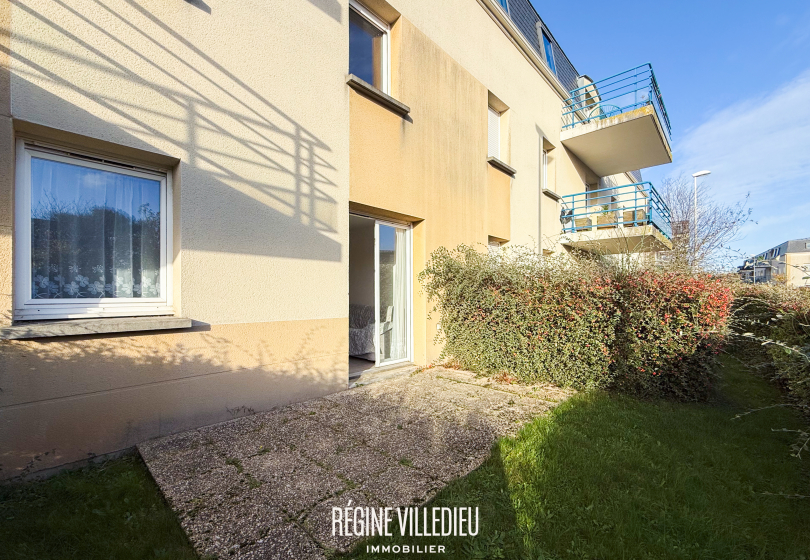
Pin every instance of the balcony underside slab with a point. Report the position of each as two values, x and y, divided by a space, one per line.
614 241
629 141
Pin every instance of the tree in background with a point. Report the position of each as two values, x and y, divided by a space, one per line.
718 225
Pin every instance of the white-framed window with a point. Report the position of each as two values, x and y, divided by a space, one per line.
369 47
544 169
494 133
93 237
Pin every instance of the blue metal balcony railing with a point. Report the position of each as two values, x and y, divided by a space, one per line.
633 205
613 96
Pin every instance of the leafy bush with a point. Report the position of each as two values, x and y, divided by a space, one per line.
585 323
776 319
671 328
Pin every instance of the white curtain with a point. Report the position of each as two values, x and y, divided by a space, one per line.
399 335
94 233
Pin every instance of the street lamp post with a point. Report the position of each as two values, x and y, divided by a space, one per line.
695 219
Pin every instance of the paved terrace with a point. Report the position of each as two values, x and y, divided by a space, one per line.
263 486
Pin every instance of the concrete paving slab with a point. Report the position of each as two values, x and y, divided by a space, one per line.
263 486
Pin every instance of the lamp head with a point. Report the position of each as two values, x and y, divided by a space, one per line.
701 173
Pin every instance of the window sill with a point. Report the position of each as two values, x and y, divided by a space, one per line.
366 89
79 327
501 166
551 194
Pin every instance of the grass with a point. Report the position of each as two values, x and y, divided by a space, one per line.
111 510
611 477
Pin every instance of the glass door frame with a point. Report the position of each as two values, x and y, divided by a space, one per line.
409 289
409 275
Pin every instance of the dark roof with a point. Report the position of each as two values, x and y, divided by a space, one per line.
798 245
526 19
792 246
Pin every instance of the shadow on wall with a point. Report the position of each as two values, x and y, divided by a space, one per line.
249 161
86 396
201 5
329 7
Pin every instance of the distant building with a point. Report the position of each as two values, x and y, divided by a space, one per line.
788 262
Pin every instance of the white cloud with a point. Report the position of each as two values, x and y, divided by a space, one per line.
762 146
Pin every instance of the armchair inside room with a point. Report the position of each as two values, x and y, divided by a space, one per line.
361 331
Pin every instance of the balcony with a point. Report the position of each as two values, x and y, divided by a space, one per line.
618 124
626 219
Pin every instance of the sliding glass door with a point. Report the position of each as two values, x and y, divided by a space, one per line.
393 292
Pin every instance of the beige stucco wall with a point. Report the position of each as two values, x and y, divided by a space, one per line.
231 94
499 187
68 398
491 57
6 169
795 276
252 123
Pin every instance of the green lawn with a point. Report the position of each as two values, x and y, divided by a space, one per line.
112 511
611 477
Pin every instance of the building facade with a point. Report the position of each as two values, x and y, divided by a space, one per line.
209 208
788 262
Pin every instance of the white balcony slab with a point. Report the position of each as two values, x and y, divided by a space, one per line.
618 240
626 142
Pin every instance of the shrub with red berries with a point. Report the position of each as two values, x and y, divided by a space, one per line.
585 323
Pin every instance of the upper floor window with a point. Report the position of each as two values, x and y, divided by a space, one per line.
549 52
93 237
494 134
368 47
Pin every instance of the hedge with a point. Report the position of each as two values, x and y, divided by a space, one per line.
578 322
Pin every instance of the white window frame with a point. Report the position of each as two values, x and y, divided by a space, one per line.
28 308
373 19
544 163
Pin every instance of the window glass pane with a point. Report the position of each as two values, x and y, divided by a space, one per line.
94 233
365 50
549 53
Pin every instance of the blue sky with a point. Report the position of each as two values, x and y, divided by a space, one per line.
735 77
